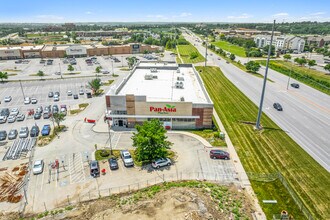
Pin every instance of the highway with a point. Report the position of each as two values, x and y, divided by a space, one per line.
306 111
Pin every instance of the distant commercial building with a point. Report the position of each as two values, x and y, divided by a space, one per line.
244 32
20 52
173 93
282 43
96 34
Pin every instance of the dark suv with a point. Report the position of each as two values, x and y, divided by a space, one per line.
94 168
5 112
295 85
3 135
219 154
277 106
34 131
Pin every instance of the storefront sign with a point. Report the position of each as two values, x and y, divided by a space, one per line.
165 110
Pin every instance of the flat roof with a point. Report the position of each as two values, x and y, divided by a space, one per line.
36 47
162 88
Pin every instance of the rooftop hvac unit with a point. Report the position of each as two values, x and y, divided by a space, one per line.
179 85
182 99
148 77
155 77
180 78
153 70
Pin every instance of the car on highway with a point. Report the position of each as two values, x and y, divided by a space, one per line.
5 112
38 167
105 72
34 131
34 101
127 158
11 119
14 111
45 130
56 98
27 100
3 135
24 132
75 96
20 117
277 106
37 115
227 62
12 134
3 119
113 164
57 73
161 162
69 93
8 98
94 168
50 95
295 85
219 154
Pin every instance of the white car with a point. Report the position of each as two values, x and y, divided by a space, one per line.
27 100
24 132
56 98
11 119
34 100
14 111
20 117
3 119
127 158
38 167
161 163
69 93
7 98
81 92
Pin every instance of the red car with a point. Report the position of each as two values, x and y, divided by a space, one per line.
219 154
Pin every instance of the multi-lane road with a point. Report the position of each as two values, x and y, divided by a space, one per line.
306 111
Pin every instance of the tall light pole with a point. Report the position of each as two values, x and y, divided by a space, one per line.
265 80
112 68
109 136
205 52
59 64
287 86
22 88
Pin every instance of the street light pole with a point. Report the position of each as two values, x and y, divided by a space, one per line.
109 136
112 68
22 88
287 86
265 80
205 52
59 64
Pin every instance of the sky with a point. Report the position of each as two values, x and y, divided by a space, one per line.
60 11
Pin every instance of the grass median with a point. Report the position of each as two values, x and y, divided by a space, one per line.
268 151
232 48
189 54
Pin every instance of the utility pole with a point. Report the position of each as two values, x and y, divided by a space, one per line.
287 86
22 88
59 64
265 80
112 68
205 52
109 136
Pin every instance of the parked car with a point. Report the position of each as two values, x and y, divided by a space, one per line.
127 158
3 135
57 93
46 115
12 134
75 96
277 106
50 95
105 72
8 98
94 168
295 85
39 109
34 100
56 98
69 93
45 130
47 109
38 167
113 164
20 117
57 73
27 100
14 111
24 132
219 154
81 92
3 119
5 112
37 115
63 110
161 163
34 131
55 109
11 119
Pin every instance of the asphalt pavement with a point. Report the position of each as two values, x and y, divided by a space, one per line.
306 111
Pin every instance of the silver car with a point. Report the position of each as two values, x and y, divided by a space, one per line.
24 132
12 134
38 167
11 119
161 163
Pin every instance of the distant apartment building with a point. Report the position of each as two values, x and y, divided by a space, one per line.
100 34
318 41
244 32
281 43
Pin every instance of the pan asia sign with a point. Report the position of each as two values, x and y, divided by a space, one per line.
164 110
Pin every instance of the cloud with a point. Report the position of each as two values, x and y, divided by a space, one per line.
242 16
281 14
317 13
50 17
88 12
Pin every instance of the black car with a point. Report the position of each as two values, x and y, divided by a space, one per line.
5 112
37 115
94 168
34 131
113 164
75 96
277 106
50 95
3 135
295 85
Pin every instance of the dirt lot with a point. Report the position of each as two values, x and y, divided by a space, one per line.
177 200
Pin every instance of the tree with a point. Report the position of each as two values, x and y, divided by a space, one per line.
70 68
131 61
327 67
311 63
98 69
265 50
3 75
58 118
232 57
252 66
95 84
287 57
40 73
150 141
300 61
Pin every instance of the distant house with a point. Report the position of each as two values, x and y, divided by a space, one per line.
315 40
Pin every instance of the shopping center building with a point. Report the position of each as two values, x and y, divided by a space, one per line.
173 93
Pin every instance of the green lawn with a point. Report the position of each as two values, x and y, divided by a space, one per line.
44 35
314 78
237 50
185 52
271 150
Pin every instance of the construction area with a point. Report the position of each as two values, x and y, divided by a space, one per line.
20 148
